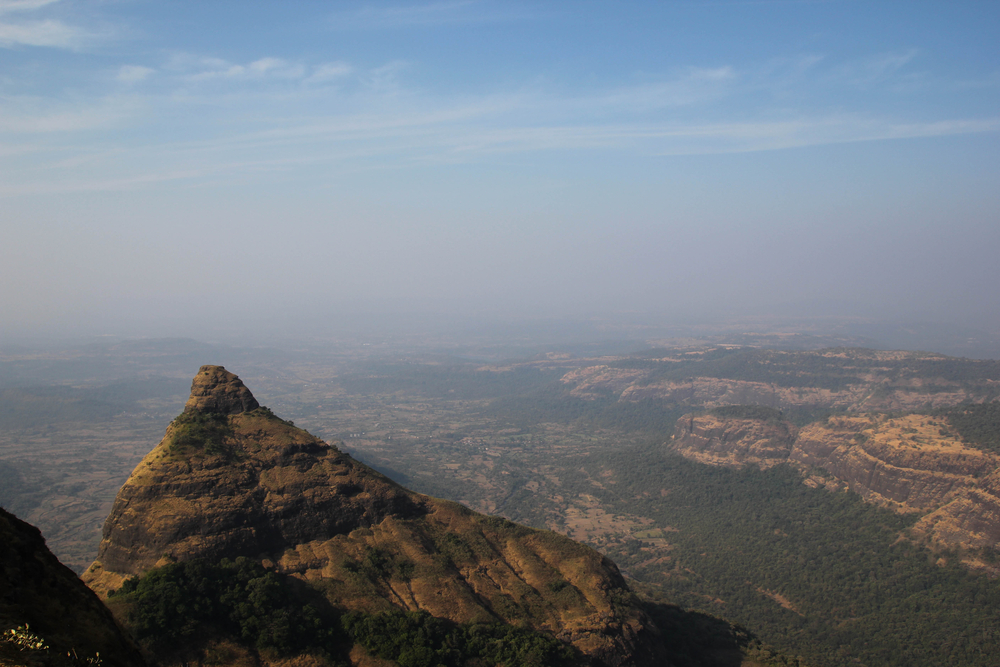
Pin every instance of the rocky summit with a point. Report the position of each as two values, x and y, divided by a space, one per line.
230 480
216 390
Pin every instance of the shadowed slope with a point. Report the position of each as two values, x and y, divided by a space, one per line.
38 591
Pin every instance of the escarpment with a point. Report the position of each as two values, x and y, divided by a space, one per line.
720 441
843 378
907 463
230 479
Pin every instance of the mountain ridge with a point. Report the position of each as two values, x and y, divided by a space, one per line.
230 479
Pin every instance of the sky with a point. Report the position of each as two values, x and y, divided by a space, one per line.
173 167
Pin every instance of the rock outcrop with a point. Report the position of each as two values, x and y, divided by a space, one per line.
230 479
216 390
734 442
38 591
909 463
970 520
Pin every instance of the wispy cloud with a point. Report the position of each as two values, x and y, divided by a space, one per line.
190 68
42 33
420 15
32 115
695 85
48 32
329 72
134 73
339 114
451 135
464 132
8 6
875 69
195 68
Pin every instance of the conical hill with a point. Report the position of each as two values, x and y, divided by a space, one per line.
230 480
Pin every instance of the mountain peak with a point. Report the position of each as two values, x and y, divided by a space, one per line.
303 509
214 389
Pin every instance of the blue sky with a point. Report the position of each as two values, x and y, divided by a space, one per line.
165 164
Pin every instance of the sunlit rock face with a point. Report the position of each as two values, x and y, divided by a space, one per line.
216 390
734 442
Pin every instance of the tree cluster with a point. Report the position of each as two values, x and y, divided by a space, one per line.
417 639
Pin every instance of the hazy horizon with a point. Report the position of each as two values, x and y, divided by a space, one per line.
205 169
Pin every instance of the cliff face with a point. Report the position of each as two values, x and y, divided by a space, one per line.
37 590
909 464
903 463
970 519
216 390
734 442
230 479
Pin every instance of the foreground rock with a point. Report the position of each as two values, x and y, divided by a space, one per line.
39 592
229 479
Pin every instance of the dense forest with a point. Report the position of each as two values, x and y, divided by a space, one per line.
978 424
821 574
188 607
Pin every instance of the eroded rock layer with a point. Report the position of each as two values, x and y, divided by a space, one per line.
908 463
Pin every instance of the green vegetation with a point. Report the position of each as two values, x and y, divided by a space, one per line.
797 416
23 640
204 432
417 639
186 603
554 403
266 413
379 565
505 528
977 424
746 541
697 639
759 412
